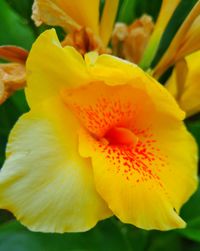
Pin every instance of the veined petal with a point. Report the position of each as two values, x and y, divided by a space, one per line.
51 67
165 14
149 171
184 83
47 11
44 181
170 56
68 14
108 19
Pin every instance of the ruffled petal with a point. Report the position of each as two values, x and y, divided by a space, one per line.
133 132
68 14
110 69
51 67
130 188
44 181
114 71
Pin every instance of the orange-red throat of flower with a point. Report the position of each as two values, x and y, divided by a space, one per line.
121 136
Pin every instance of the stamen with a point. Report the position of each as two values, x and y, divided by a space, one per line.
121 136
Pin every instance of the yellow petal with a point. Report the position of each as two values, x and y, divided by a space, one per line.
68 14
91 58
191 41
177 80
44 181
170 56
51 67
108 19
184 83
155 169
115 71
110 69
166 11
46 11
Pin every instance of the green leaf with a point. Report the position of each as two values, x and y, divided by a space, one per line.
106 236
146 7
5 216
178 17
14 29
164 241
127 11
10 111
193 125
137 239
24 9
192 231
14 238
191 210
191 214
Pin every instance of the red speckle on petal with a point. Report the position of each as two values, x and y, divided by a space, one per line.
120 119
139 163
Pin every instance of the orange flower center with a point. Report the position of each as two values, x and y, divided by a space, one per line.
121 136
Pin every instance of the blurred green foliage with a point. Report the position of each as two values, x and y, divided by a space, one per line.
111 235
14 28
132 9
14 31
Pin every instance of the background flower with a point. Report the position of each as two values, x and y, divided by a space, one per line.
184 83
87 30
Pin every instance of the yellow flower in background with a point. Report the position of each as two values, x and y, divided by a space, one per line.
185 42
130 41
80 19
166 11
101 138
184 83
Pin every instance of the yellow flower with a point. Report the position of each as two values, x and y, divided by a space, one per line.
186 41
184 83
80 19
101 138
129 42
166 11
